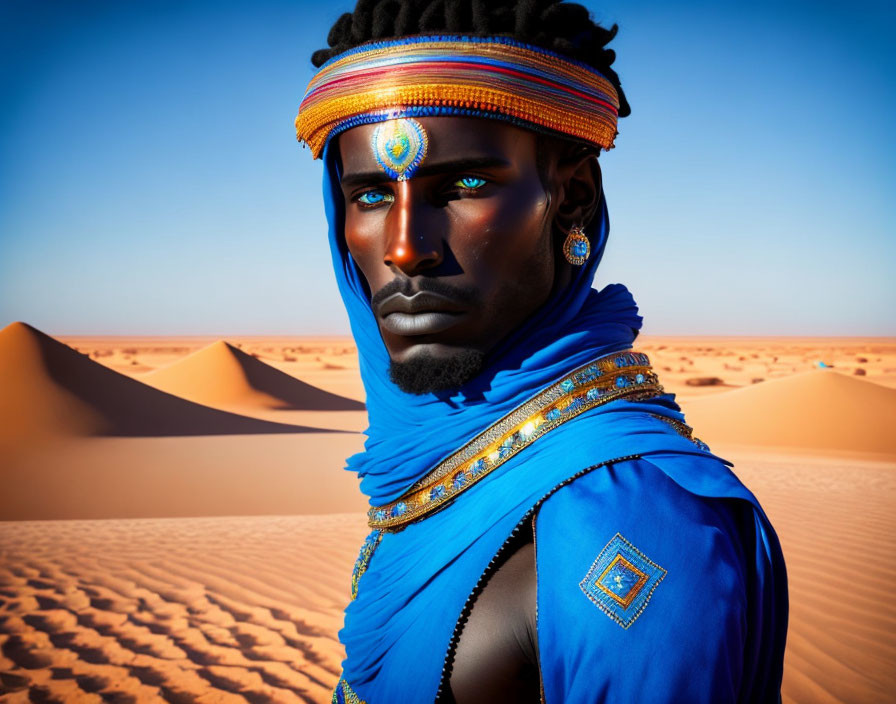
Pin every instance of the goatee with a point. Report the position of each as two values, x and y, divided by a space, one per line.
425 373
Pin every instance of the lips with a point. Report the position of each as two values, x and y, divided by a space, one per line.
424 313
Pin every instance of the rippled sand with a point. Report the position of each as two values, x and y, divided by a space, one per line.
837 525
185 610
247 608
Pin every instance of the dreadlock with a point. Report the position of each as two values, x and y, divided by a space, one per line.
563 27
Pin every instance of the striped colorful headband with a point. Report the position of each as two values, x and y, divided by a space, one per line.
493 77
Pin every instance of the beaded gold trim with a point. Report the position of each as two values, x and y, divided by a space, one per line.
369 545
619 375
348 695
682 429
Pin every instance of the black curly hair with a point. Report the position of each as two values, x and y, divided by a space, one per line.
563 27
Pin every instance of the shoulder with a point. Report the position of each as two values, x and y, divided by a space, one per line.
635 571
636 507
649 496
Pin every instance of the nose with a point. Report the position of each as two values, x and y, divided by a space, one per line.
413 244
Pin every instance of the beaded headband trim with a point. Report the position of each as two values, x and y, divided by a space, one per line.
494 77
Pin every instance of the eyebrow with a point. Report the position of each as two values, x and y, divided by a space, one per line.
350 180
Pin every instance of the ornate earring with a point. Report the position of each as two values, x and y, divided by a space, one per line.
576 247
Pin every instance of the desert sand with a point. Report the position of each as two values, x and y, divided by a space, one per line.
180 610
197 533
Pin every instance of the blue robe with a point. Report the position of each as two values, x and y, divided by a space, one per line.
707 625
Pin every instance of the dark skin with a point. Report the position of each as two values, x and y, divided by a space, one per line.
477 218
478 228
496 659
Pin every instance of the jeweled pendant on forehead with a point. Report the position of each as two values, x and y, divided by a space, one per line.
400 146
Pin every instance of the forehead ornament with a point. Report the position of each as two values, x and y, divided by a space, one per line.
399 147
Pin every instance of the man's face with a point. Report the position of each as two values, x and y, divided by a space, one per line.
458 255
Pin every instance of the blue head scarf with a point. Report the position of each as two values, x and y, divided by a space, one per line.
410 433
399 628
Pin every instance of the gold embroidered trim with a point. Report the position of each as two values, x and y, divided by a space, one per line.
348 694
682 429
618 375
367 548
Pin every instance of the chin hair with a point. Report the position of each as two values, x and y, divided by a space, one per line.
425 373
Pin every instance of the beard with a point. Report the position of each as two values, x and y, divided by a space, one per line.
425 373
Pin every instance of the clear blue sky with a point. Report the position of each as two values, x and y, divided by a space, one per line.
150 181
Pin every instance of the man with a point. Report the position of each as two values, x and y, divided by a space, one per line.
545 527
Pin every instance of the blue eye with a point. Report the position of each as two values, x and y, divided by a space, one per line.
374 197
470 183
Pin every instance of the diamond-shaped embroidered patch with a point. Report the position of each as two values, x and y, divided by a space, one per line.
621 581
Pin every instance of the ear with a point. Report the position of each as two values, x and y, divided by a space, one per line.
580 180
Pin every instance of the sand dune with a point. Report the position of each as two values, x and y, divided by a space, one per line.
223 375
79 440
51 389
744 361
817 410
